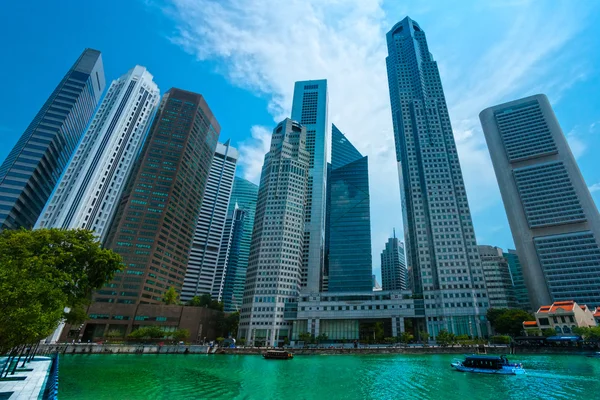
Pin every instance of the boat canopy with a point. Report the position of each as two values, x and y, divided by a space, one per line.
563 338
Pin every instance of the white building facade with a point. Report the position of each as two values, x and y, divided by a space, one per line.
309 108
201 272
90 189
273 279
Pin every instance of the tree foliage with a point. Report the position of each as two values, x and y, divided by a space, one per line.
424 335
207 301
508 321
148 332
180 335
406 337
41 273
588 333
445 338
305 337
171 296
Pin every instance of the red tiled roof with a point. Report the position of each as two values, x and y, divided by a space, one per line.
530 323
563 305
597 313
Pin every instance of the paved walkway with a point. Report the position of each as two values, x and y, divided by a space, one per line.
31 387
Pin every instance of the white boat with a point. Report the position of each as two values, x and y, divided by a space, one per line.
487 365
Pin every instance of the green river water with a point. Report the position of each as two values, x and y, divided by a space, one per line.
319 377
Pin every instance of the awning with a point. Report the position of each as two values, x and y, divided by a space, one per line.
563 338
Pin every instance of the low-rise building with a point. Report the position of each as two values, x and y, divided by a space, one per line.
597 316
561 317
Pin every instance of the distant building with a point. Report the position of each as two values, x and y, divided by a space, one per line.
201 276
224 285
561 317
32 169
496 273
89 192
376 285
243 197
394 274
552 216
441 249
348 218
516 274
309 108
155 222
275 266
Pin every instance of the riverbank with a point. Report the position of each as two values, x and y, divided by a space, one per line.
325 350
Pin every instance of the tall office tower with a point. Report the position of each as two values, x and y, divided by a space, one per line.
498 281
229 255
88 193
243 197
310 109
554 221
201 272
36 162
516 274
155 221
441 251
348 218
394 275
275 264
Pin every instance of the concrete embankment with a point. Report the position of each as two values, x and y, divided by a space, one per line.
93 348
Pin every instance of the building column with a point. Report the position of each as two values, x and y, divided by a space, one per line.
401 324
317 325
394 327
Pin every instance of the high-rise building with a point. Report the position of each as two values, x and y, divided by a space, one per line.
554 221
516 274
441 250
88 193
274 271
394 275
229 255
309 108
243 197
497 276
34 165
348 218
201 273
155 221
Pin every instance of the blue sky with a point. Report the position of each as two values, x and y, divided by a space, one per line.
244 57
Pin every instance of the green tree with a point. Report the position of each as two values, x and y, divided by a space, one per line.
510 321
379 332
180 335
322 337
220 340
44 271
588 333
548 332
424 335
305 337
232 322
493 314
148 332
406 337
171 296
76 315
445 338
113 334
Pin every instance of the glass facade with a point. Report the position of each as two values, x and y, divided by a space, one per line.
394 275
497 276
516 273
33 167
155 221
349 228
244 195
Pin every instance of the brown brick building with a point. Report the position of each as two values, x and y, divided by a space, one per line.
154 224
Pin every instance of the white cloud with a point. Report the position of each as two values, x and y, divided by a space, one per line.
594 188
576 143
267 45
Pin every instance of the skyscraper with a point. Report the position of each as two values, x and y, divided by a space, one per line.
309 108
201 272
554 221
394 275
89 191
34 165
275 264
516 274
501 292
349 218
243 197
154 225
224 283
441 251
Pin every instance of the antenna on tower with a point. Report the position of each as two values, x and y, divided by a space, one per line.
394 233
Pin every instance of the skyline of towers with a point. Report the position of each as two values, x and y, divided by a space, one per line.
32 169
441 250
394 275
516 274
243 196
275 265
310 108
201 275
89 191
155 222
348 215
229 258
553 219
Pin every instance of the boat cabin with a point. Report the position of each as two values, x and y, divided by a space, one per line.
485 362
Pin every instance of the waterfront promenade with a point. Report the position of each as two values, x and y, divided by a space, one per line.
27 383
